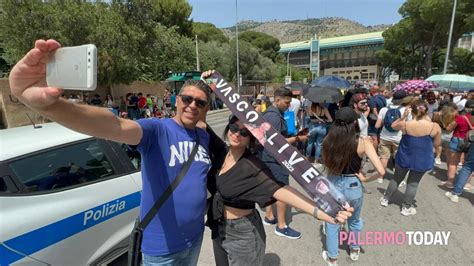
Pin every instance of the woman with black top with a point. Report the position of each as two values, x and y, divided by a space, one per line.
342 153
243 180
319 121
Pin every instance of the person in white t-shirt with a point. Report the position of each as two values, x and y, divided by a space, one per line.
389 138
360 105
295 107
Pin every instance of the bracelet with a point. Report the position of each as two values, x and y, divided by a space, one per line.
297 138
315 213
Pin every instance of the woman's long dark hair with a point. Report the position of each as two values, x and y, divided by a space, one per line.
340 146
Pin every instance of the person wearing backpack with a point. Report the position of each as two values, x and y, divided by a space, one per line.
389 137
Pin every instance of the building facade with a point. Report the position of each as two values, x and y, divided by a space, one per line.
351 57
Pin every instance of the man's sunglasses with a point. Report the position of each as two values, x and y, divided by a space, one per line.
234 128
187 99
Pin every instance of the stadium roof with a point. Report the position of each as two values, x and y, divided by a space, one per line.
342 41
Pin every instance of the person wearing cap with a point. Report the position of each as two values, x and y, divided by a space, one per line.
343 150
360 104
389 138
463 122
414 155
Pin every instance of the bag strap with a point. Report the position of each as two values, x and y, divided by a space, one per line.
152 212
468 122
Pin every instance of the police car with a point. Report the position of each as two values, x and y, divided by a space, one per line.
65 198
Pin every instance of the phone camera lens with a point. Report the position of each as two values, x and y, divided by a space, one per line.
89 60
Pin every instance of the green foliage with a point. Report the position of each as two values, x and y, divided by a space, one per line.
411 46
253 66
461 62
215 55
136 40
208 32
267 45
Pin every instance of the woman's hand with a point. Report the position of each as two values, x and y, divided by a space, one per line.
341 216
207 74
406 113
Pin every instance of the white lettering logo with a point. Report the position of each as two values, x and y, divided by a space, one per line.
182 152
106 210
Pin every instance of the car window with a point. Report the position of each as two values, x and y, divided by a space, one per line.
133 155
63 167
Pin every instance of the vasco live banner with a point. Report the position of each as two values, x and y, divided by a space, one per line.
324 194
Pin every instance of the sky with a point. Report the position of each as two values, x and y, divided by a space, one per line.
222 12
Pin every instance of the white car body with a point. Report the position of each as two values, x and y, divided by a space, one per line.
47 220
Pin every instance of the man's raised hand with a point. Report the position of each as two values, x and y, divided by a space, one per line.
28 77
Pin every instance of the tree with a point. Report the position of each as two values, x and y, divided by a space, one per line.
207 32
461 62
253 66
423 31
267 45
215 55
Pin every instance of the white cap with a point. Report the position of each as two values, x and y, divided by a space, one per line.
461 104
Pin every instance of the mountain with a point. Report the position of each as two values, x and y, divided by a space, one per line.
298 30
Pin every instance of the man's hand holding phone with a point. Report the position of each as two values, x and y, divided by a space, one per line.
302 135
28 77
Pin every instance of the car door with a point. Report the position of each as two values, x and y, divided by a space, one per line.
74 204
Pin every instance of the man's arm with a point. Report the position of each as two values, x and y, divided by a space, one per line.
28 84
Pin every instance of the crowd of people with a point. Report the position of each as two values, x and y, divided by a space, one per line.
374 124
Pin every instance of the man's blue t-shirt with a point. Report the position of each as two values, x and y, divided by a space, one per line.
165 147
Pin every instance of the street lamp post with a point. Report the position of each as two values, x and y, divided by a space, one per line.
445 68
237 46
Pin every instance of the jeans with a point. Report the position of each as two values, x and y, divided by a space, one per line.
414 179
240 241
187 256
317 133
351 187
465 172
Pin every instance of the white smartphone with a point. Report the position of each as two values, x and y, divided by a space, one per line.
73 68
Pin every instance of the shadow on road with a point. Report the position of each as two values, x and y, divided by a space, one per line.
271 259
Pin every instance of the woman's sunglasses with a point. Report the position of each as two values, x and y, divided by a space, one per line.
234 128
187 99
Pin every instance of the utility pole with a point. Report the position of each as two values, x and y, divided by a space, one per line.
198 67
445 68
237 46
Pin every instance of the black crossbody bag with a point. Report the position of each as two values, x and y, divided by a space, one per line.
134 247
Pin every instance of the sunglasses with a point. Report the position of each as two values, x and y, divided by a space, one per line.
187 99
234 128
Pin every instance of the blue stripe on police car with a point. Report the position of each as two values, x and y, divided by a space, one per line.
48 235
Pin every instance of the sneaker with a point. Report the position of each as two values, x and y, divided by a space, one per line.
408 211
355 254
452 197
384 202
402 184
327 260
380 180
267 221
447 184
287 232
468 187
438 161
